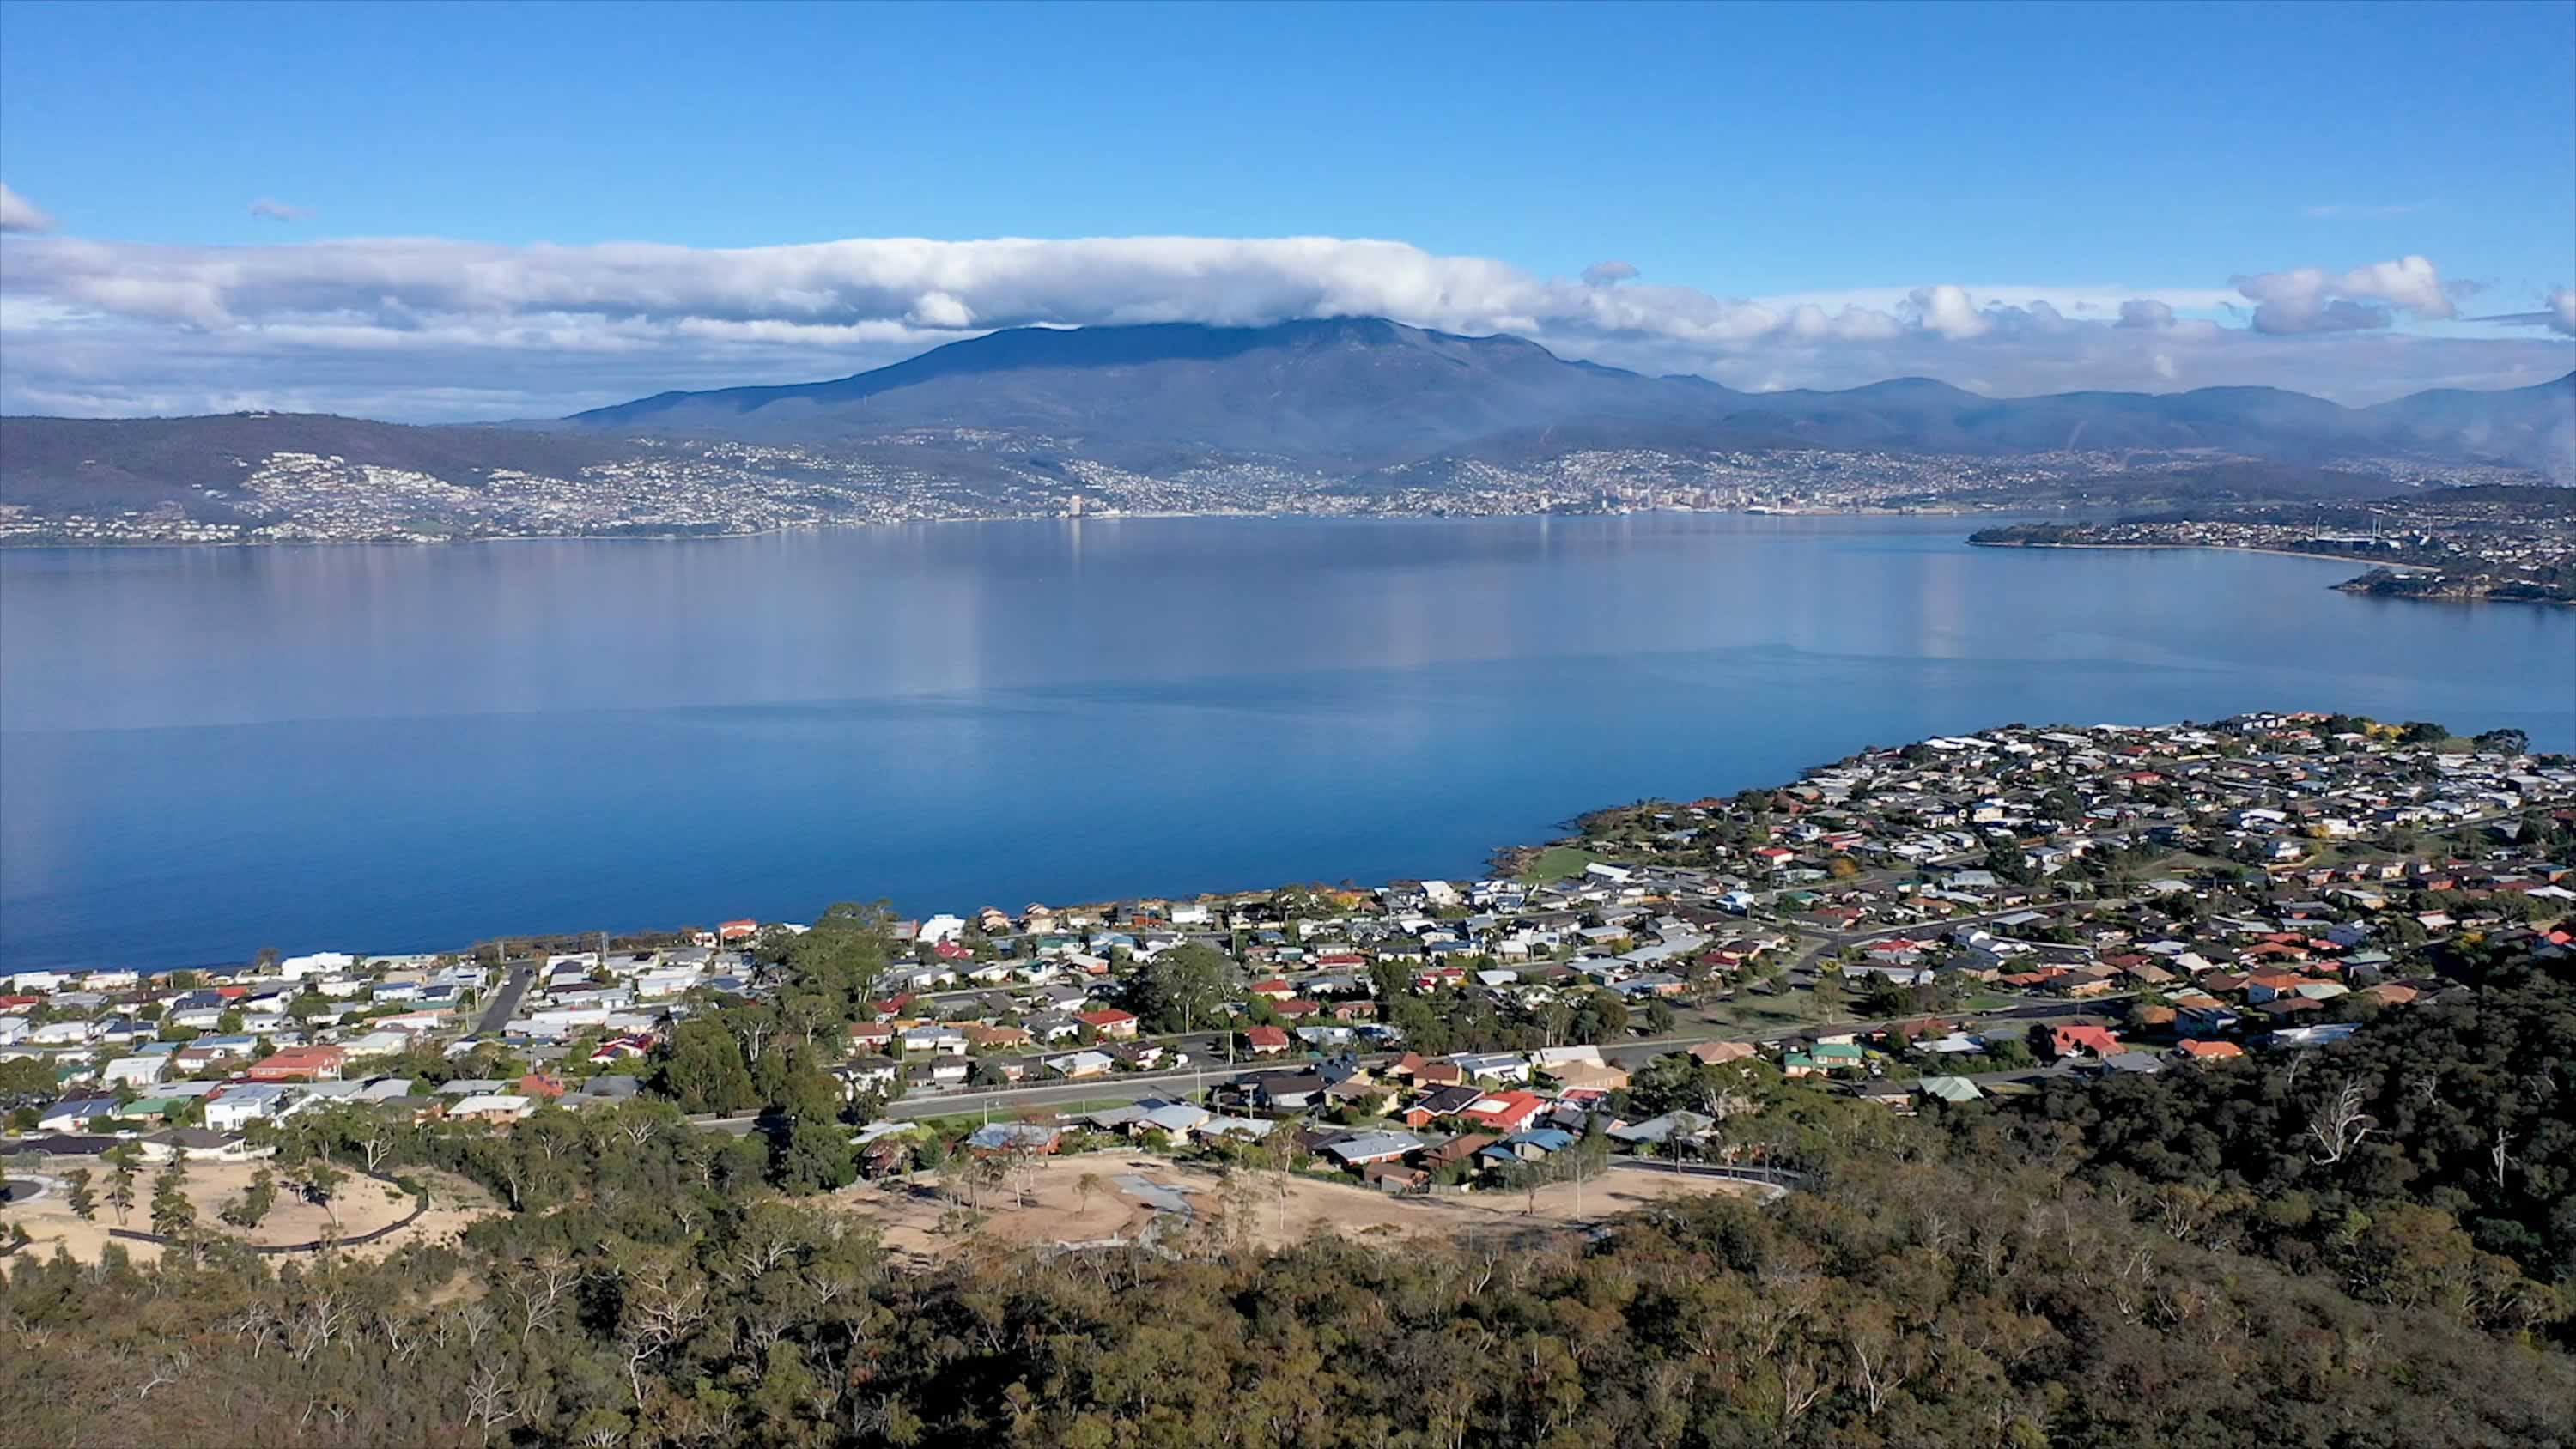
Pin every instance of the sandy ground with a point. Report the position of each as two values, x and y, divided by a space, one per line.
363 1203
910 1211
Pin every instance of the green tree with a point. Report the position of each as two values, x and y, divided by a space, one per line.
1183 986
319 1179
26 1077
81 1195
125 1167
173 1214
248 1209
702 1069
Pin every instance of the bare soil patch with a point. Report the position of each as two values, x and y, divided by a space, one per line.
919 1217
363 1204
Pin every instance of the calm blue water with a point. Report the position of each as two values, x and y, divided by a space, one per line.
204 751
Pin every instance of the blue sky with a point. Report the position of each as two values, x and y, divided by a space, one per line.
1840 154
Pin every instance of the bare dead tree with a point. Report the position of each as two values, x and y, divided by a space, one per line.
164 1371
2500 1154
491 1399
538 1289
2341 1124
1801 1384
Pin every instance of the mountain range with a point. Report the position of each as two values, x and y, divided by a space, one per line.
1355 399
1360 392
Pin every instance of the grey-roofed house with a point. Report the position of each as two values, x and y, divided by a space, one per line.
1368 1147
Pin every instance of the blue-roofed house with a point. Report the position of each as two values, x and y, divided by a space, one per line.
1531 1146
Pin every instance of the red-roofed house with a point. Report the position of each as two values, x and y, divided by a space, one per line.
299 1064
1266 1041
1112 1023
1276 988
737 930
2067 1041
1506 1111
2208 1051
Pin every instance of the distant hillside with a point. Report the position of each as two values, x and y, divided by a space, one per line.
1365 390
1183 418
107 464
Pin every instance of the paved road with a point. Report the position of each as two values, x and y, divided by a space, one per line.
1774 1182
1130 1087
506 1005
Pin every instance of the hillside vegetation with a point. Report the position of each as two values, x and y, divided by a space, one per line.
2314 1249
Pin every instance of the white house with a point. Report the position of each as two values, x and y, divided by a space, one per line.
73 1114
133 1071
296 968
1080 1064
1493 1066
491 1107
379 1044
241 1105
939 1040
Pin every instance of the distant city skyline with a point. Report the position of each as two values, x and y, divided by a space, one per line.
428 213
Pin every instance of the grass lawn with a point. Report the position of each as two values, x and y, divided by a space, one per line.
1749 1013
1556 863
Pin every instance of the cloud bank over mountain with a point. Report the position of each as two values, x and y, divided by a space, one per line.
424 328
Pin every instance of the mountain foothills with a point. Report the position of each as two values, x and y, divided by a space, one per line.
1348 415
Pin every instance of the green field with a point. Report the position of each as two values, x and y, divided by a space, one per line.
1556 863
1748 1014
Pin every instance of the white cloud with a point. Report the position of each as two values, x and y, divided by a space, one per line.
18 214
1948 310
2310 299
267 210
2557 313
422 327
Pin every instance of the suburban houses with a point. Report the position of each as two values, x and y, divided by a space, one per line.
1924 923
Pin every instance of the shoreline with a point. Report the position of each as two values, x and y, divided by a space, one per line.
2204 548
2346 587
9 544
1500 862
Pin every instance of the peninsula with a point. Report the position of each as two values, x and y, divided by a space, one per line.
2467 543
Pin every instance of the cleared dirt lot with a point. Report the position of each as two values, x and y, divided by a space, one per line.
363 1204
918 1216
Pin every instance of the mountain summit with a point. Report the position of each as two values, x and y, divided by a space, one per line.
1361 391
1352 388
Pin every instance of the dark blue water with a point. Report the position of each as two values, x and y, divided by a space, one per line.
207 751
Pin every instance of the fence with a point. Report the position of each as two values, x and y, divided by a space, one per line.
419 1205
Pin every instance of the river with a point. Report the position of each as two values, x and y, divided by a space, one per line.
205 751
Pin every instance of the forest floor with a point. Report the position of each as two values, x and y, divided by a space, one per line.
920 1217
363 1205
